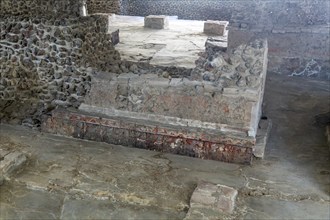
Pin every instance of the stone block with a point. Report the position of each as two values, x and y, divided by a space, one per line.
156 21
216 197
215 27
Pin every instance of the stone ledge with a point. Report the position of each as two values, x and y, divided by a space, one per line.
145 135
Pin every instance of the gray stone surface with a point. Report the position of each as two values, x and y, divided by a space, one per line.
104 209
19 202
10 163
156 22
268 208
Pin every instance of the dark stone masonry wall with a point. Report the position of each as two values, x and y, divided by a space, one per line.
47 60
40 8
103 6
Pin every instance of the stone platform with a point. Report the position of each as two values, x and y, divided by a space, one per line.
211 118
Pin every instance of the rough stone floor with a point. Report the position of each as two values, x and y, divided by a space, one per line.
75 179
177 45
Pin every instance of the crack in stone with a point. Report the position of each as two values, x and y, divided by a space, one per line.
248 191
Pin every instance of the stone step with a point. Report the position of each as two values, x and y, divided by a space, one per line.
200 143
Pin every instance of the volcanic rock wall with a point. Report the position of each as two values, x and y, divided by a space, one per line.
103 6
47 59
40 8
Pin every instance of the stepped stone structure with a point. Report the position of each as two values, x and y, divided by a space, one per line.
212 113
53 61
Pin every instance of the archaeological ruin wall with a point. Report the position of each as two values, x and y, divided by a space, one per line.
48 54
209 112
104 6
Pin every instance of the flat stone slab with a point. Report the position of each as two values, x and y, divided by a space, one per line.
85 209
215 27
209 198
156 22
269 208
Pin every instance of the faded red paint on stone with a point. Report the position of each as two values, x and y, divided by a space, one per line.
127 132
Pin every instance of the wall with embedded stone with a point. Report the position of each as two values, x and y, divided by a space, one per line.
103 6
48 62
